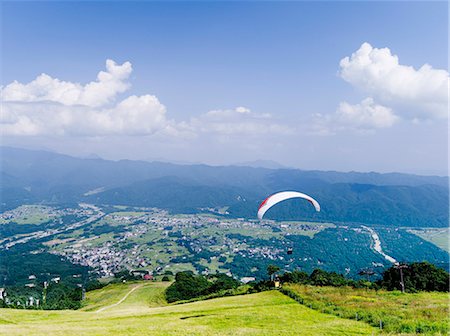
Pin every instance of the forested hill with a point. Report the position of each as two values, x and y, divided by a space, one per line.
388 199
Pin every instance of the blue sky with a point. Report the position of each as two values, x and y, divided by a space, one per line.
277 61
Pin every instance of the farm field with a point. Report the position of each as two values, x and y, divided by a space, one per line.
155 240
28 214
144 312
409 313
437 236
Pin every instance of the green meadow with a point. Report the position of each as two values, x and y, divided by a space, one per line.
437 236
399 313
29 214
140 309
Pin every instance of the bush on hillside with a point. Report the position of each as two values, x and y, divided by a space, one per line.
126 275
323 278
61 296
262 285
188 286
221 282
295 277
94 284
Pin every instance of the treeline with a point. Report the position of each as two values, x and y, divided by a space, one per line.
18 263
418 276
421 276
54 297
189 286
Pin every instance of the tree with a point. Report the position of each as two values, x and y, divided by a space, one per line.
271 270
222 282
418 276
323 278
186 286
94 284
295 277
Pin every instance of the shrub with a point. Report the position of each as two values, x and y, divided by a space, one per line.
94 284
188 286
295 277
323 278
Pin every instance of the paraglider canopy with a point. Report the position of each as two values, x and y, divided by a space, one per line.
282 196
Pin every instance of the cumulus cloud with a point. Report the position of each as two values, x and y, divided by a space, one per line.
363 117
109 83
238 121
395 92
415 94
49 106
367 114
134 115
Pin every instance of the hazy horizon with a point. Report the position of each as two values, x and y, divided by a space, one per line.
258 163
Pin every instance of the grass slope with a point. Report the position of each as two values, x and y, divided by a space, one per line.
144 312
407 313
142 295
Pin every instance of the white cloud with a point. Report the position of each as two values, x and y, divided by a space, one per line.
109 83
134 115
49 106
238 121
395 92
421 93
363 117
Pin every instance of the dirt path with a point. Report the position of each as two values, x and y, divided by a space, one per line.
121 300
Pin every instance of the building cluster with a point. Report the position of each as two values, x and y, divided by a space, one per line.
156 240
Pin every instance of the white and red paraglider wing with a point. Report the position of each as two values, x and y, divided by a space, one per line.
281 196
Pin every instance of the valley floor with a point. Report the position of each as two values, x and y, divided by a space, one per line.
140 309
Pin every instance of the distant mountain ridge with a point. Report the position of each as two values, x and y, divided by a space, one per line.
269 164
389 199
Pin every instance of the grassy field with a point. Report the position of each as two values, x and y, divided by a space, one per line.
144 312
399 313
438 236
29 214
143 295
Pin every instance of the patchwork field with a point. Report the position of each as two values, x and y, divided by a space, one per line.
28 214
144 312
109 239
438 236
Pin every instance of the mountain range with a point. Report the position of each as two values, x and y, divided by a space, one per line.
392 199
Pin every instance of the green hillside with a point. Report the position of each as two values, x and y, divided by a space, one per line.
396 200
140 295
144 312
422 312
